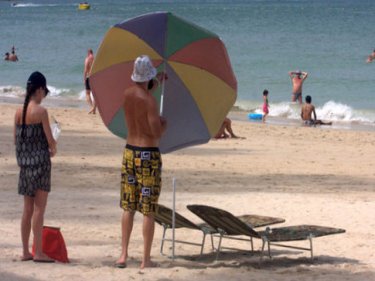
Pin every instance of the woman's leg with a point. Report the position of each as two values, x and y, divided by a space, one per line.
28 209
40 203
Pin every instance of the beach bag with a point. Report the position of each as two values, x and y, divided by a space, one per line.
53 244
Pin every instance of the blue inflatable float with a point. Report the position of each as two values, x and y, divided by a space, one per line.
255 116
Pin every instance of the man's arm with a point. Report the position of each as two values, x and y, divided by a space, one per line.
160 77
291 73
304 74
314 113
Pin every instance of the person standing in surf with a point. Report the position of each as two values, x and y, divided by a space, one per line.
297 77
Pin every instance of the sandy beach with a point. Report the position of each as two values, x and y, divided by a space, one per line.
319 176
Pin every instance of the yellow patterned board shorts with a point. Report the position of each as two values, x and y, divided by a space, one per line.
140 179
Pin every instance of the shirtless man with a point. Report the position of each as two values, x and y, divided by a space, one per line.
86 73
6 56
298 78
141 168
13 56
307 112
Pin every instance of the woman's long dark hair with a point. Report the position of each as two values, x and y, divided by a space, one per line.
30 91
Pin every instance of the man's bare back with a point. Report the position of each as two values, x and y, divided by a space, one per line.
307 112
145 126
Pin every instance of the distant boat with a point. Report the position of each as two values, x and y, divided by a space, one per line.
83 6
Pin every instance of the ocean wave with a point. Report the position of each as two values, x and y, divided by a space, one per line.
331 111
12 91
17 92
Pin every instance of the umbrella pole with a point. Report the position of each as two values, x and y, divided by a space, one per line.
162 90
173 216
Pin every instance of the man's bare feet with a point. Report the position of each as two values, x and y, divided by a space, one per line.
148 264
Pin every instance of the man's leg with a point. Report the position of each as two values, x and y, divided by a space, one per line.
148 236
228 126
94 106
320 122
300 98
88 99
126 230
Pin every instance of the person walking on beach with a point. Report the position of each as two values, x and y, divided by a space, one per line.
297 78
265 105
34 147
308 114
86 73
141 166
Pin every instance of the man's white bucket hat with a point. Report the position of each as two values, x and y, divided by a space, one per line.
143 69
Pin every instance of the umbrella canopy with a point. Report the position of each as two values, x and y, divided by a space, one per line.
201 86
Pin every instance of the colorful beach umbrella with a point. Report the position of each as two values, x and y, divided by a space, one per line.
201 86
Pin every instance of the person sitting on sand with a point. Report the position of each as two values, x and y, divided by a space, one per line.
307 111
226 126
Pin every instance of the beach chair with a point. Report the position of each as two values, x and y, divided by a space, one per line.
163 216
227 225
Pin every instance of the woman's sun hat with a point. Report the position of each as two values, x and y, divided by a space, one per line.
143 70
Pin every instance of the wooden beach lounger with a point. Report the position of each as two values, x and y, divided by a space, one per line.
164 217
227 225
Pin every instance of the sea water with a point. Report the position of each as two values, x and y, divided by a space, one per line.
329 39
